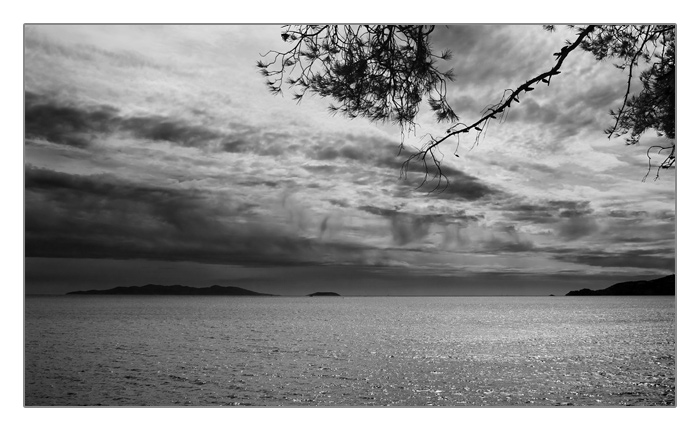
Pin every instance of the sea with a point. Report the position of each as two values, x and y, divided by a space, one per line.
349 351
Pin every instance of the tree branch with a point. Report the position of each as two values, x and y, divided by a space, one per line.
668 162
633 62
492 112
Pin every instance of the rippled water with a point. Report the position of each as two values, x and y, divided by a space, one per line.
349 351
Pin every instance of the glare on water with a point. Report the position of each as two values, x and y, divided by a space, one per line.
350 351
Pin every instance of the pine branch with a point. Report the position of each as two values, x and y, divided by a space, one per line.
491 113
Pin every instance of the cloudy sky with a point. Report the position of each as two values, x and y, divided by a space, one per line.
155 154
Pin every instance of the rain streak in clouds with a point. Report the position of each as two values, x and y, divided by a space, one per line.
158 145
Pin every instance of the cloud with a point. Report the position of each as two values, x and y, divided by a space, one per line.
575 105
405 228
102 216
469 188
107 217
542 211
65 125
157 128
577 220
82 125
234 146
563 120
627 214
577 227
364 148
638 227
79 126
457 186
531 213
472 43
34 41
658 259
343 203
411 228
190 162
328 153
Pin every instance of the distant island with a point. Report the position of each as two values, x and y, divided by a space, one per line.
659 286
323 294
155 289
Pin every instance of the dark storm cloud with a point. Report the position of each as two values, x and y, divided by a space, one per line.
467 187
577 220
577 227
234 146
627 214
658 259
380 153
328 153
353 153
101 216
339 202
65 124
103 203
157 128
454 185
79 126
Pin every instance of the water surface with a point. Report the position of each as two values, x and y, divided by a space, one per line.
349 351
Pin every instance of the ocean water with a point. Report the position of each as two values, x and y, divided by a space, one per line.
349 351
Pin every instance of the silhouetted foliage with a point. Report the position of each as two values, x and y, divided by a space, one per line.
655 105
383 72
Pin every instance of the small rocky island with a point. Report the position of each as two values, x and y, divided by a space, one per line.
155 289
323 294
659 286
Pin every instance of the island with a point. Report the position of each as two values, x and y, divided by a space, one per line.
155 289
659 286
323 294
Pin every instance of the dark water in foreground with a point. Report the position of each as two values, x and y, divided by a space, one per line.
364 351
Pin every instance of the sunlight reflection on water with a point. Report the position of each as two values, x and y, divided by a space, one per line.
350 351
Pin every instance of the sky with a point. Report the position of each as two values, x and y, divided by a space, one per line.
155 154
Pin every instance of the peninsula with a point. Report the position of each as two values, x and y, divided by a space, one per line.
155 289
659 286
